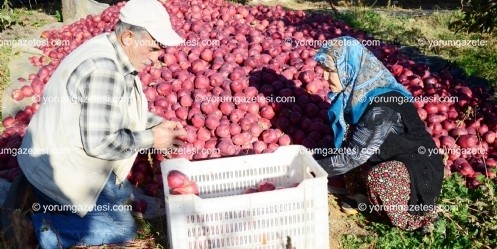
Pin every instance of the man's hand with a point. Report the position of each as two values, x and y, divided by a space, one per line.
167 135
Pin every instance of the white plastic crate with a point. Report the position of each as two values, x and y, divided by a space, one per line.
222 217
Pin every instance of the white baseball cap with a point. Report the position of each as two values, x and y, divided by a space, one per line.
151 15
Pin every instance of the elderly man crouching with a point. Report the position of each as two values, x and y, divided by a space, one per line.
93 134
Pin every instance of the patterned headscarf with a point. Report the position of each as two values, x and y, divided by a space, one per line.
362 77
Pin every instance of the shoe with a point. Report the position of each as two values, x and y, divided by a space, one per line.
426 229
359 198
337 191
348 205
18 229
14 220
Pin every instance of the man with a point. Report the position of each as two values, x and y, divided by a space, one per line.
87 134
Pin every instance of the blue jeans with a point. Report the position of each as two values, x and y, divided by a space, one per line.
65 229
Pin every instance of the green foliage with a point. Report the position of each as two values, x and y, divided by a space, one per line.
6 4
469 221
362 19
478 60
154 229
471 62
145 229
479 16
8 17
398 28
58 15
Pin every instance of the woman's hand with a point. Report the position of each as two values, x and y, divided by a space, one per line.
333 81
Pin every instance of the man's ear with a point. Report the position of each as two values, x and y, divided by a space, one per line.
126 38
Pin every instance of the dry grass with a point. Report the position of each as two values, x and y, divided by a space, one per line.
294 4
137 244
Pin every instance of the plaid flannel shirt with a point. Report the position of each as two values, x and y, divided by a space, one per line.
101 122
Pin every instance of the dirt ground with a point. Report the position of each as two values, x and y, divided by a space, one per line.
340 224
27 27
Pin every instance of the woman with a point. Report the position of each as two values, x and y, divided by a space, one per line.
381 134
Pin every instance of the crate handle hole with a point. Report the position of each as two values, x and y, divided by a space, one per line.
310 173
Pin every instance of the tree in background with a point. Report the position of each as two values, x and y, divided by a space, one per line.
479 16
